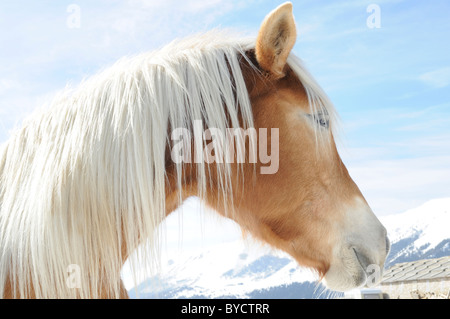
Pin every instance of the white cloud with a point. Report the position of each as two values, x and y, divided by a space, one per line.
399 157
395 185
7 85
44 54
439 78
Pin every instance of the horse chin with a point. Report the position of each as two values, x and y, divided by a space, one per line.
349 271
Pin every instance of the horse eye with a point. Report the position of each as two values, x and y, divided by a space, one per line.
321 119
323 122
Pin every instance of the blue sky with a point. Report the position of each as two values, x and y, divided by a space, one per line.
390 85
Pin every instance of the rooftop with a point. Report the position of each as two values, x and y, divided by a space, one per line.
425 269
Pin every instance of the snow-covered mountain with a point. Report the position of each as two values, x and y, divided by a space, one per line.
419 233
224 265
228 270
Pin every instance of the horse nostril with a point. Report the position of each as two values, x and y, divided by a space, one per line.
363 260
388 245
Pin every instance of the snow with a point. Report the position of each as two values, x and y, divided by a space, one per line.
204 250
204 254
431 220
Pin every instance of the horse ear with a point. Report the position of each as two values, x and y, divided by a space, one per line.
275 40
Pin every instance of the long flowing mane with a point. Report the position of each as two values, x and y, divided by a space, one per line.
84 180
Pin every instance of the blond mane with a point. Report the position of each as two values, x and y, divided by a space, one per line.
84 179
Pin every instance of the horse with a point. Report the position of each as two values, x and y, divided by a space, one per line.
89 178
